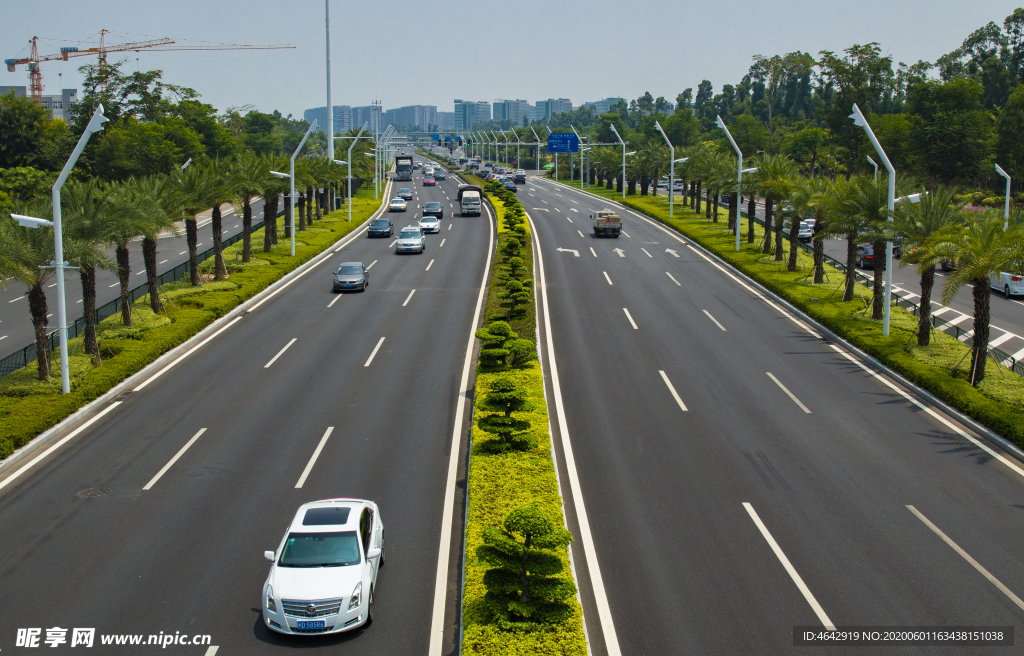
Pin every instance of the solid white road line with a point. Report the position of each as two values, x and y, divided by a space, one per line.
35 461
408 298
17 298
784 389
279 353
162 262
212 651
815 606
708 313
429 265
444 552
672 278
607 278
336 297
592 251
975 564
312 460
671 388
173 460
441 245
375 349
114 285
604 611
981 445
630 317
186 354
371 265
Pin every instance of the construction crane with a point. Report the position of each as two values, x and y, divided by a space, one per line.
33 58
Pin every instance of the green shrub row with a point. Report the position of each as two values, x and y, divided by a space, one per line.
28 407
995 403
513 488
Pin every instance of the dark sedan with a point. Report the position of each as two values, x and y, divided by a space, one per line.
351 276
380 228
433 209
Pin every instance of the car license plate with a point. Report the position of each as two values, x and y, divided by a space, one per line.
318 624
346 285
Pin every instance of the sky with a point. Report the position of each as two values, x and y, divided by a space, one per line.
429 53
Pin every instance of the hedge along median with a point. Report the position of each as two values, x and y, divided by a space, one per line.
27 408
512 485
998 402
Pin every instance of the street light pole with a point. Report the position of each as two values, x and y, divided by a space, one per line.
622 180
1006 202
580 148
330 108
292 176
739 176
350 171
538 148
874 164
671 168
860 121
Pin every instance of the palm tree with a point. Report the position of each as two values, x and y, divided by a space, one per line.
26 251
607 161
812 196
721 174
274 187
776 177
85 212
250 179
127 221
160 207
916 224
979 247
303 178
195 191
222 174
846 222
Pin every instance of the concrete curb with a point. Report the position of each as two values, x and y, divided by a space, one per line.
968 422
90 410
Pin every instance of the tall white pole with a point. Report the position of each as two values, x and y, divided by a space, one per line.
672 169
739 177
622 180
1006 201
874 164
330 107
538 148
292 176
860 121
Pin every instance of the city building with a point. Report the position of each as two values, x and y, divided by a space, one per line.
417 116
602 106
446 120
511 110
58 106
342 117
468 113
545 109
362 115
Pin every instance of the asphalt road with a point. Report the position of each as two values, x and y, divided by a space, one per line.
383 368
714 435
16 331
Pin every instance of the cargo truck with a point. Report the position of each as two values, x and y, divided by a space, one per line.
470 199
403 167
606 222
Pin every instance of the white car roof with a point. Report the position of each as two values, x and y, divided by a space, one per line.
323 522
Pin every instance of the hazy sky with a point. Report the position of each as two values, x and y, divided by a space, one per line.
432 52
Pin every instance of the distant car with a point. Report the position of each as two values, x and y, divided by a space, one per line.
430 223
429 182
381 227
511 186
488 164
325 569
410 240
806 231
433 208
520 177
398 205
416 165
439 174
351 276
405 193
866 256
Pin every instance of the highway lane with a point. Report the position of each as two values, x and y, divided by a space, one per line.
16 331
186 554
767 414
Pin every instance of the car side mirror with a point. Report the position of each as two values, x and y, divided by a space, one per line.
372 553
269 555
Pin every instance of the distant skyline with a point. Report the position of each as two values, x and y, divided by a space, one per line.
663 48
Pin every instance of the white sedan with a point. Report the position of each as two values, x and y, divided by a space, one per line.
429 223
325 569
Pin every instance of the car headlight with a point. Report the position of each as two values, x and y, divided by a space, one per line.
271 603
357 596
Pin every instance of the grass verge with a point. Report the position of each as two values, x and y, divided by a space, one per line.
998 402
501 482
28 406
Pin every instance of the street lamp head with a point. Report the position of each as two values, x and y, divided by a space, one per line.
338 161
369 154
858 117
1001 172
681 159
631 153
750 170
185 165
97 120
31 221
279 175
719 122
914 198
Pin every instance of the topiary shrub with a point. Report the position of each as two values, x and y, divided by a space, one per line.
505 397
511 247
515 292
523 591
494 354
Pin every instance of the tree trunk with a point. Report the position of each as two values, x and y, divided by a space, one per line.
220 271
696 196
310 205
924 325
734 211
192 237
814 161
819 250
275 204
713 208
608 179
631 189
288 216
794 238
645 184
593 175
246 229
87 274
618 183
766 246
779 251
878 265
851 264
37 306
321 200
302 211
149 257
982 294
268 225
124 271
751 216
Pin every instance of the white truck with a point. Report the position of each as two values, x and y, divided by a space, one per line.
470 198
606 222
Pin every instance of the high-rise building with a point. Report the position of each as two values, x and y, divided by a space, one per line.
362 115
469 113
419 116
342 117
602 106
58 106
520 110
446 120
545 109
511 110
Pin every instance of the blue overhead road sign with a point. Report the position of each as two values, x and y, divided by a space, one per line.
436 136
563 142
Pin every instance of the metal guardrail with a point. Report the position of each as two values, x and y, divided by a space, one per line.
22 357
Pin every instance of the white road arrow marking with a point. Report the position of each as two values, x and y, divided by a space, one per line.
619 251
674 254
568 250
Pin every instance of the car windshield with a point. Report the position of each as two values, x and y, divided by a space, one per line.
409 234
320 550
432 206
398 201
404 191
429 219
350 271
379 223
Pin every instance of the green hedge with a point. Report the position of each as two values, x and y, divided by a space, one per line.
501 482
990 404
25 415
